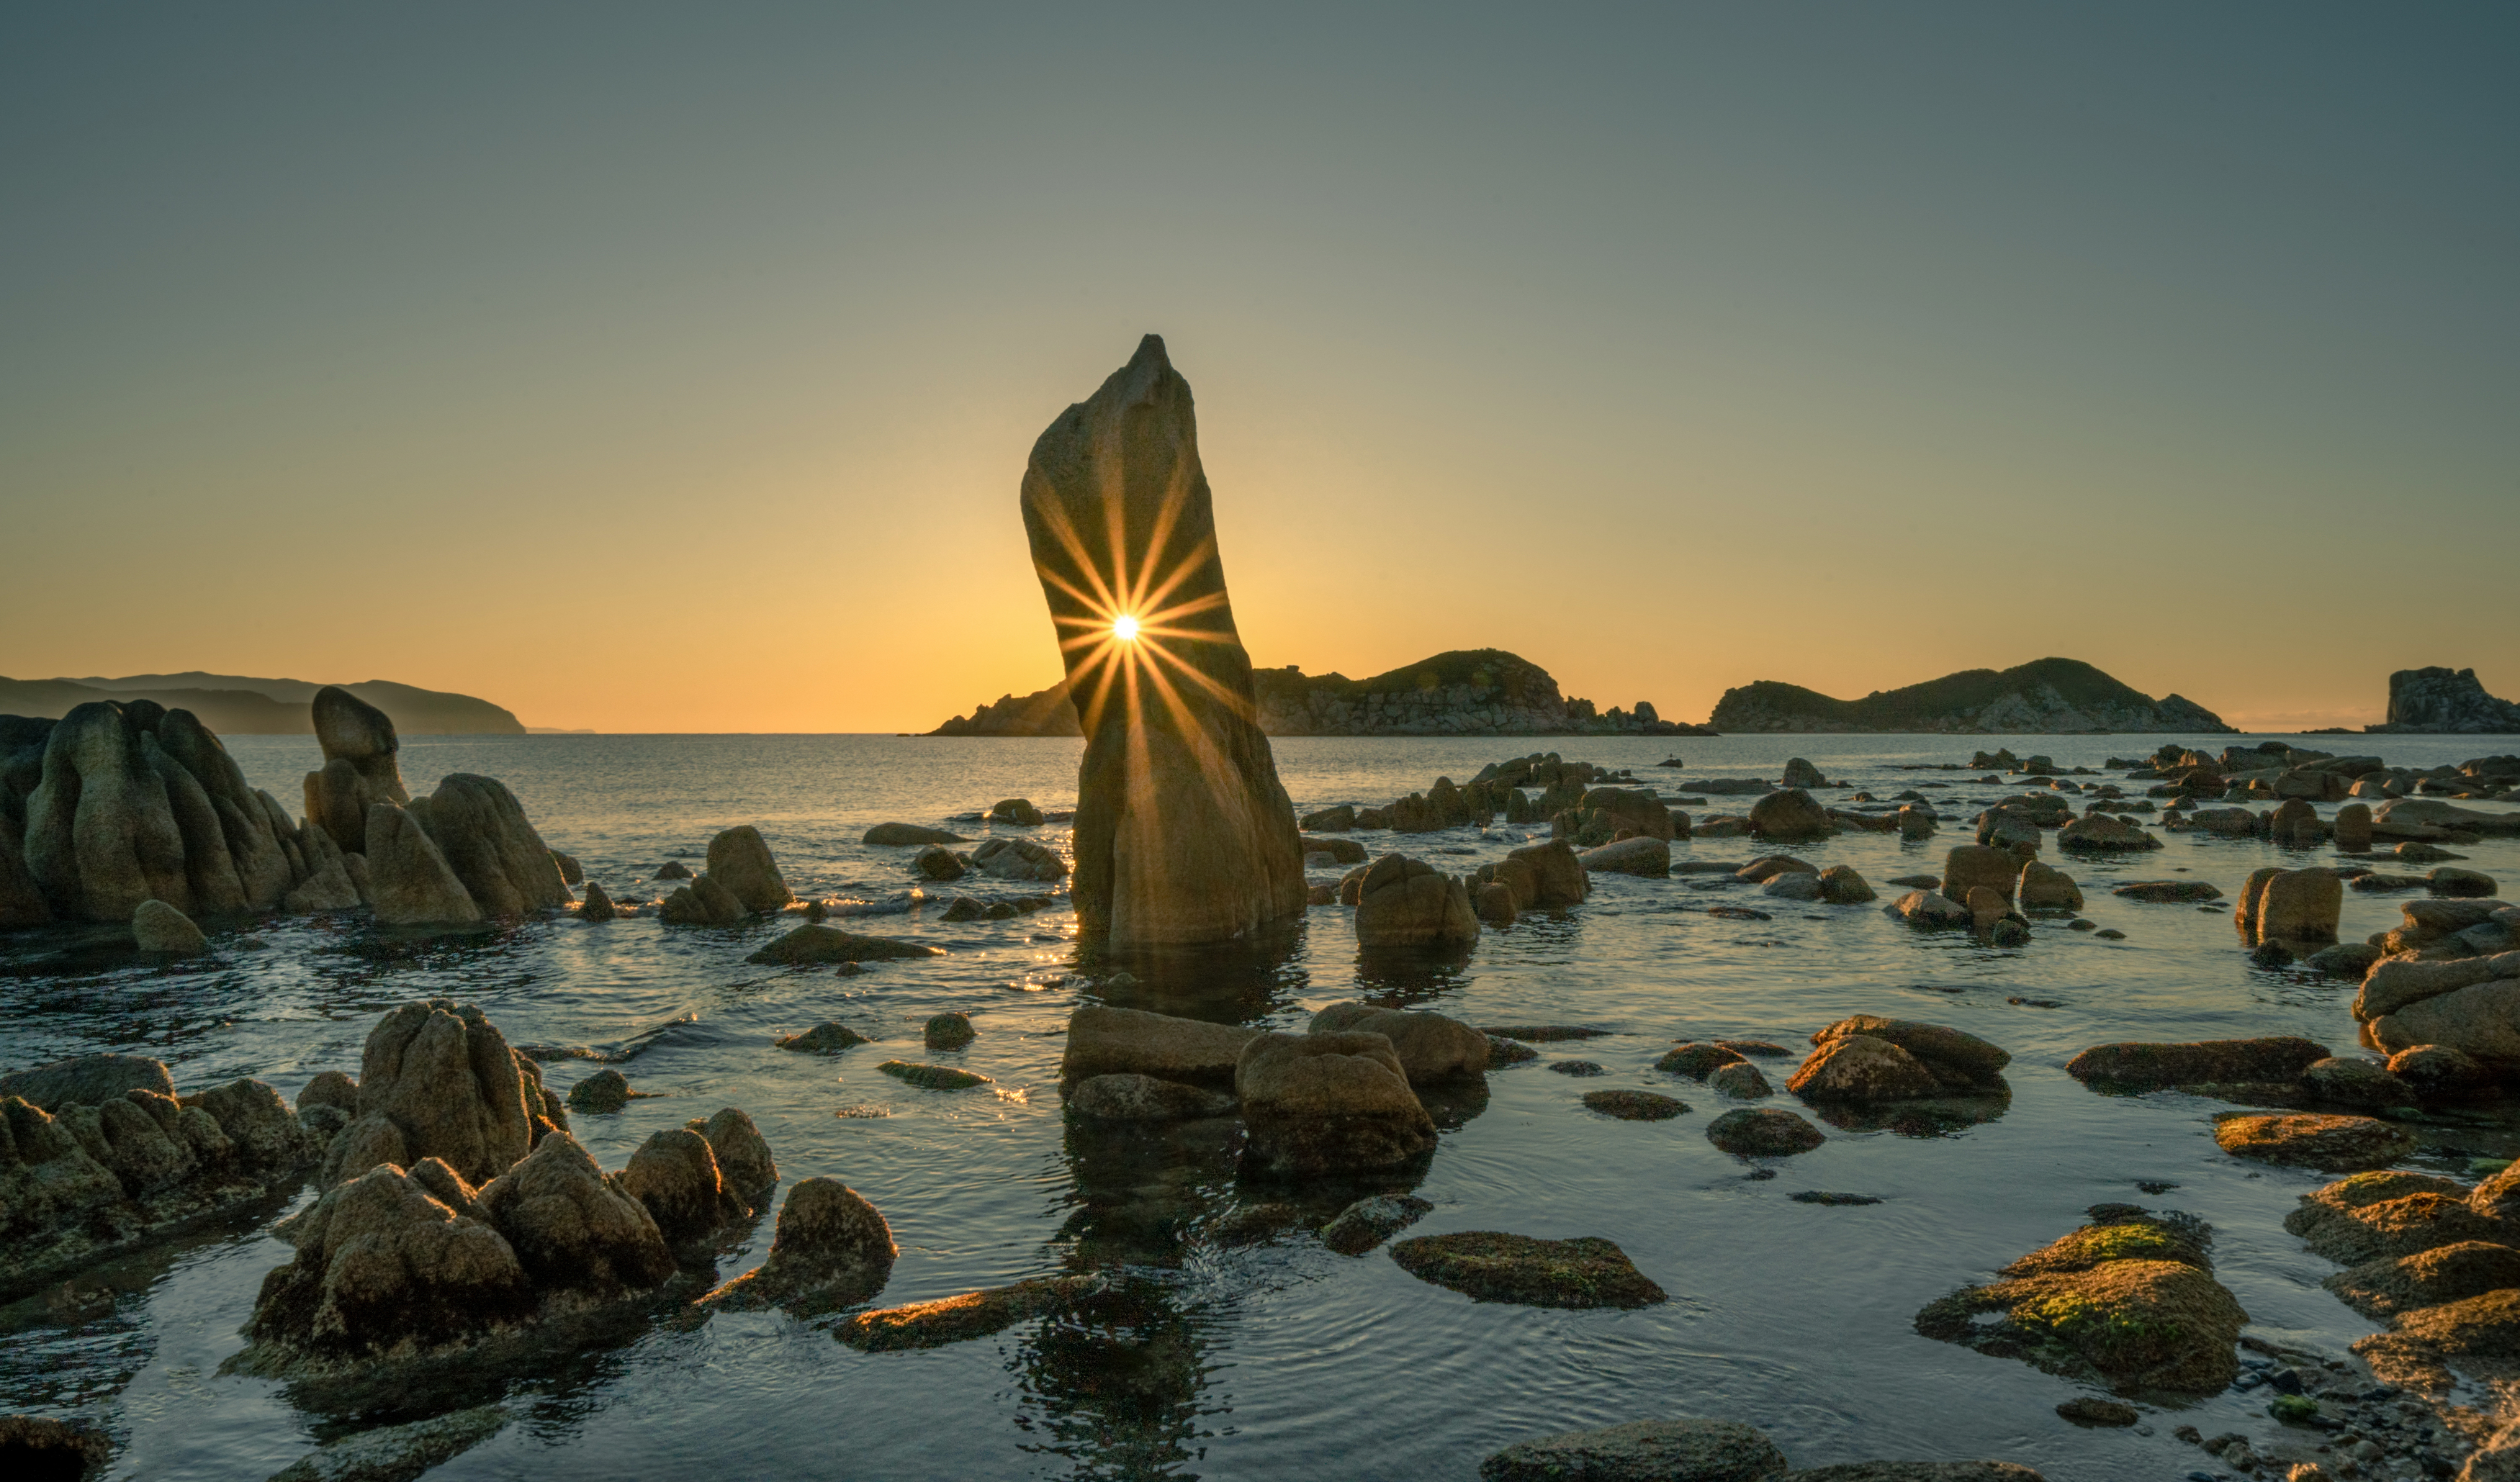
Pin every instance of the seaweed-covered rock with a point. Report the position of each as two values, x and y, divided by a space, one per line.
2385 1215
810 943
2128 1307
1763 1132
1642 1451
2334 1144
1431 1047
1369 1221
2384 1288
1740 1080
833 1250
1328 1103
933 1077
1857 1067
385 1270
573 1228
1491 1266
2478 1335
1102 1041
1126 1097
2166 892
2137 1065
957 1319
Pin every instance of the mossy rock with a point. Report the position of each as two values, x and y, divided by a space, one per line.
933 1077
956 1319
2334 1144
950 1031
1491 1266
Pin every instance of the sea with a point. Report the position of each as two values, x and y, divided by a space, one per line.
1271 1358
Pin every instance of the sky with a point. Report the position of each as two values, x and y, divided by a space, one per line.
673 368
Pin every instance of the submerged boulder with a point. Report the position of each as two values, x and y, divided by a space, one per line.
959 1319
1642 1451
1763 1132
811 943
911 834
1491 1266
2136 1064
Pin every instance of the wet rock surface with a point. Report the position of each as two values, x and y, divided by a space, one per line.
1642 1451
1490 1265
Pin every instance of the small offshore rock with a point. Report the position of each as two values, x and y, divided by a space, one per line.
810 943
827 1038
607 1090
1634 1105
2097 1414
1493 1265
597 906
1642 1451
161 928
833 1250
1822 1196
1578 1068
949 1031
1763 1132
911 834
1367 1223
1740 1080
933 1077
954 1319
2332 1144
1697 1061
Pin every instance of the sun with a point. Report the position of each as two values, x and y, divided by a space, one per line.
1125 628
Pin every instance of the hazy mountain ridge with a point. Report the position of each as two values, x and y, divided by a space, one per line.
2047 696
1463 692
241 706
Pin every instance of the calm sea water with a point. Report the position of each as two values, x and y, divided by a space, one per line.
1276 1359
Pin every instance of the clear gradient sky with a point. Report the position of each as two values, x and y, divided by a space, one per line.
673 368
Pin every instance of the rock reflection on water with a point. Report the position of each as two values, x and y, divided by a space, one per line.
1117 1381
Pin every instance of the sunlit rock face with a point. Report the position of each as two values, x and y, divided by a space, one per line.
1184 833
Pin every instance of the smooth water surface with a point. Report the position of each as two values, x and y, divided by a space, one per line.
1277 1359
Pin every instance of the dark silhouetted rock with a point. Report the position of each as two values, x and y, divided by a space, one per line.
911 834
833 1250
810 943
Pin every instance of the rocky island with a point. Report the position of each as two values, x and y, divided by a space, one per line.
2441 701
2049 696
235 704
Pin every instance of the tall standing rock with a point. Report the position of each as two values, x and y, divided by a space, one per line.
482 829
359 767
1183 832
101 835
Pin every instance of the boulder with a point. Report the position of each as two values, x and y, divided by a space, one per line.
573 1228
2356 1083
1491 1266
1431 1048
1740 1080
384 1267
2295 906
933 1077
827 1038
1769 867
102 834
1338 820
1545 875
1343 851
89 1079
2101 833
161 928
1183 832
481 830
810 943
702 903
1404 903
833 1250
1632 1105
2043 887
740 860
2482 1021
1318 1104
2166 892
1102 1041
744 1159
1018 859
1841 885
2462 1269
442 1083
1629 810
607 1090
2435 1070
1644 855
938 863
2135 1064
1763 1132
1642 1451
1789 814
2352 829
2393 982
359 770
1857 1067
1494 904
409 879
910 834
1971 867
1698 1060
1792 886
2451 881
1127 1096
1014 810
948 1031
598 904
2384 1215
675 1175
2334 1144
1929 908
1960 1060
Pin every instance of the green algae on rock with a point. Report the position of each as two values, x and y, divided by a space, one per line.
1491 1266
2385 1215
2128 1308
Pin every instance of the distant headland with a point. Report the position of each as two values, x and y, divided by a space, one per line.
2047 697
235 704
